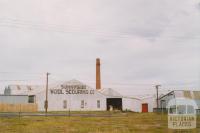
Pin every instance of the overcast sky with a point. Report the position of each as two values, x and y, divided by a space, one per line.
140 42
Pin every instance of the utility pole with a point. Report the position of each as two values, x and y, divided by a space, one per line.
47 86
157 87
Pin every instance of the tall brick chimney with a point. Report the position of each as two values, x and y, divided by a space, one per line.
98 74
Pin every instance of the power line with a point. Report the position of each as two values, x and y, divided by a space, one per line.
21 73
131 84
73 29
13 80
92 81
64 30
128 84
21 80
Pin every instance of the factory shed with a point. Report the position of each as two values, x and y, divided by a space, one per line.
74 95
192 95
120 102
113 99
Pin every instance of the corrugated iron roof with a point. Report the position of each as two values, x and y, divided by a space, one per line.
110 92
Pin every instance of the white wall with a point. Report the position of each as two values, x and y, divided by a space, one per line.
131 104
55 102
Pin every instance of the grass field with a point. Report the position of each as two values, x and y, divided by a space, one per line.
121 123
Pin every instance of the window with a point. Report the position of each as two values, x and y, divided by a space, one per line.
98 104
31 99
82 103
181 109
65 104
190 109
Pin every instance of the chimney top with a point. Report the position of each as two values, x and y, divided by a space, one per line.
98 74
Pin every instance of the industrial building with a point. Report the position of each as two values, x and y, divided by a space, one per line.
73 95
192 95
76 96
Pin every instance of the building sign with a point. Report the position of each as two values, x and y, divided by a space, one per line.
181 121
182 113
72 89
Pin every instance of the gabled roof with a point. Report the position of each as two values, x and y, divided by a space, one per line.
36 89
25 89
73 82
184 93
148 96
110 92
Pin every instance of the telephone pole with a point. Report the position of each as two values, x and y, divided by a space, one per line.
157 87
47 86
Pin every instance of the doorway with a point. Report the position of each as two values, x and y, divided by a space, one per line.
144 107
114 103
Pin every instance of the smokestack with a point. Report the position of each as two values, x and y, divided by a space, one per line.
98 74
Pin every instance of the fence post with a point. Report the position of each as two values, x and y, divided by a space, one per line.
19 110
69 112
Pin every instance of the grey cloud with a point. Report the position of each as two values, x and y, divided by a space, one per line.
138 41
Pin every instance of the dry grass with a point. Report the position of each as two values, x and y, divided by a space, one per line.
129 123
